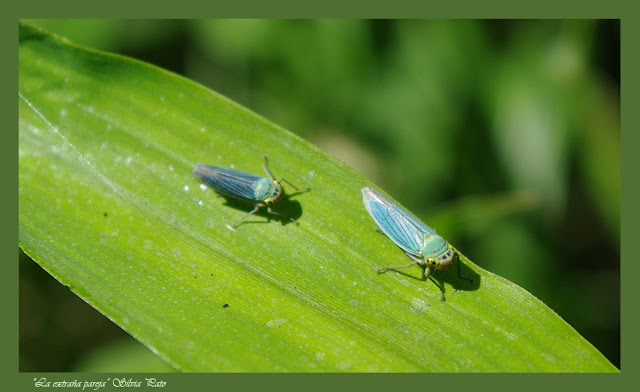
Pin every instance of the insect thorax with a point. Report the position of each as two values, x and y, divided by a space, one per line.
275 193
266 190
438 252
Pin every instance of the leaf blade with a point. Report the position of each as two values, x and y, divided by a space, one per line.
104 134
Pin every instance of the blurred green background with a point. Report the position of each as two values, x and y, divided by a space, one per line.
504 135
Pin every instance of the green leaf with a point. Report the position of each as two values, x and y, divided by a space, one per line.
109 207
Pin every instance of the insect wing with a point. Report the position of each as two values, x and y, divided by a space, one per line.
403 229
230 182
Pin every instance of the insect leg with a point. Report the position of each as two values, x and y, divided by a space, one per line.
415 261
266 170
269 210
414 258
396 267
257 207
293 186
427 271
264 166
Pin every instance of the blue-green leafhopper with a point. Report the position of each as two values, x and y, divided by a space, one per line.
419 242
261 191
